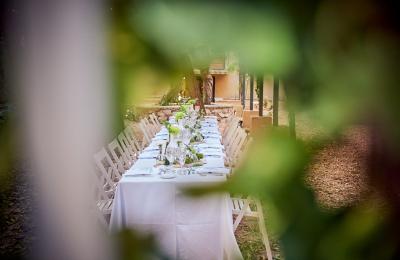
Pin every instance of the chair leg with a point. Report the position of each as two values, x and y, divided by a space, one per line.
241 215
263 230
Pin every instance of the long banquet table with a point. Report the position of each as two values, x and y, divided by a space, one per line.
184 227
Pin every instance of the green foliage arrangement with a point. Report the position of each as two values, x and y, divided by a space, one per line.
191 101
184 108
197 137
193 156
179 115
173 130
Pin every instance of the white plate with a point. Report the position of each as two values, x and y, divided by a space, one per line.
168 176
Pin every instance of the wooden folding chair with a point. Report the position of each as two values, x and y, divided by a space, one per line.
233 123
231 137
243 208
150 127
238 155
146 134
119 156
248 207
226 138
109 174
230 140
236 149
103 199
155 121
129 151
233 149
104 208
130 135
227 124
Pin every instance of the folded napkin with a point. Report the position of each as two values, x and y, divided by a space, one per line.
149 154
210 146
213 170
211 132
210 135
151 149
162 134
160 137
212 141
214 155
152 146
211 152
139 172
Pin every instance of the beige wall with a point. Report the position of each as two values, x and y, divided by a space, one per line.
227 86
268 89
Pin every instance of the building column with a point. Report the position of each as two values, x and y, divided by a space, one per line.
213 90
244 90
275 100
251 91
260 85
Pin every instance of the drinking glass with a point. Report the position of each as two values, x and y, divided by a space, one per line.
186 136
181 157
170 155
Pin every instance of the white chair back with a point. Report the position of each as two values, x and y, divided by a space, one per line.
151 127
153 118
237 143
230 131
232 136
146 134
107 168
127 147
130 135
227 124
119 156
241 208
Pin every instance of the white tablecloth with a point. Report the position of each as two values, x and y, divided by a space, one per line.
185 227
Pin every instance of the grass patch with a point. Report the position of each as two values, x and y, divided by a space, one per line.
250 243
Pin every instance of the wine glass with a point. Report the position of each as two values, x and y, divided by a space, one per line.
181 157
186 136
170 155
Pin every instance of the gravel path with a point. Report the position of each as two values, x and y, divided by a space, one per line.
338 173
